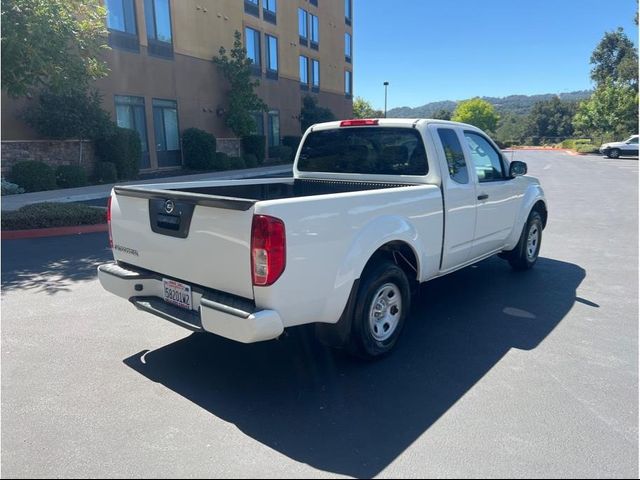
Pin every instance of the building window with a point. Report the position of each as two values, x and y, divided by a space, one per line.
315 32
348 84
121 22
258 119
252 40
304 72
130 114
303 27
347 47
269 10
274 128
315 75
158 20
165 126
347 12
251 7
272 56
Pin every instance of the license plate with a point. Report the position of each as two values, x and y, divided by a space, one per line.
176 293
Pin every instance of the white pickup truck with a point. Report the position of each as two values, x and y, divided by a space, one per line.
374 208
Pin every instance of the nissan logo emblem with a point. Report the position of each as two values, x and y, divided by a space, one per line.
169 206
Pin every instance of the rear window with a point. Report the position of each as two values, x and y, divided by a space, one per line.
373 150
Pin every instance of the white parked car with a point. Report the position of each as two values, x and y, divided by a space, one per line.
618 149
374 208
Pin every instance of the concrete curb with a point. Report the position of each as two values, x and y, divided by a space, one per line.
52 232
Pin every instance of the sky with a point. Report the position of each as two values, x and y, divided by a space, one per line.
431 50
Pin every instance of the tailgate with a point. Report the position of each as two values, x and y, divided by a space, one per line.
197 241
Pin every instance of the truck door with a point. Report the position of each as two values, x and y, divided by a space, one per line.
459 191
497 196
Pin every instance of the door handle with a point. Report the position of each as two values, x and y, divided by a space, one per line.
484 196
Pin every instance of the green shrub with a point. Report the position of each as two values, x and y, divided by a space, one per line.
9 188
33 176
122 148
46 215
250 160
221 162
254 144
199 148
69 176
291 141
105 172
282 152
235 163
587 148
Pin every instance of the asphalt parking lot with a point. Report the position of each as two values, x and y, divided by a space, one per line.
498 373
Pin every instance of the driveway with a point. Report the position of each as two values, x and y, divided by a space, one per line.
498 373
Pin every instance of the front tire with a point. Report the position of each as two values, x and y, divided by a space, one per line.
614 153
382 305
525 255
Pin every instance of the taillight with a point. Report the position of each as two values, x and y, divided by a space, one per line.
109 221
268 249
359 122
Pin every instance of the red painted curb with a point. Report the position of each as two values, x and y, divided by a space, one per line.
52 232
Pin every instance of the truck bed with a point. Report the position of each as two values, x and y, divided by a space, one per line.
287 188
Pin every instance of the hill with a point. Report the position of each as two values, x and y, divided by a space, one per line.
515 104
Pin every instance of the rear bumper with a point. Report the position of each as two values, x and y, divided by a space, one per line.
214 312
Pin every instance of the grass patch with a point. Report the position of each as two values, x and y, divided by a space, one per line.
47 215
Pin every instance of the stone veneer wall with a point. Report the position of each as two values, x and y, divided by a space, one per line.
230 146
51 152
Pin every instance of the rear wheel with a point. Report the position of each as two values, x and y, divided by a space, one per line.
613 153
381 307
525 255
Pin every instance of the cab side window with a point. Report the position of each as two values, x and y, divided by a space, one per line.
454 155
486 159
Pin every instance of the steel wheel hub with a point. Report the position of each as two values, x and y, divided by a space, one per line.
385 312
533 240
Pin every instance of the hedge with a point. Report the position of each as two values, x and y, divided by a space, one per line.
105 173
122 148
254 144
199 148
70 176
33 176
47 215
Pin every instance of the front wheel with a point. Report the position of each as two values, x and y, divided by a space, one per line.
613 153
525 255
381 307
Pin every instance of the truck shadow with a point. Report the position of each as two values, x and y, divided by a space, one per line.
354 418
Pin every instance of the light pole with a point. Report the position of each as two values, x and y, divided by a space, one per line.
386 84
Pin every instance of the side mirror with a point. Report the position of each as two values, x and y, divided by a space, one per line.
517 169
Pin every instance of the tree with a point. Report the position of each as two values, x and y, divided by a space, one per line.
615 58
363 109
243 101
442 114
551 119
612 111
477 112
511 129
54 44
70 114
311 113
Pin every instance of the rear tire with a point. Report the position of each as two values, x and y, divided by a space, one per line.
381 307
525 254
613 153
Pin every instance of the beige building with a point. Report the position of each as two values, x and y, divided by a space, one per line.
163 80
